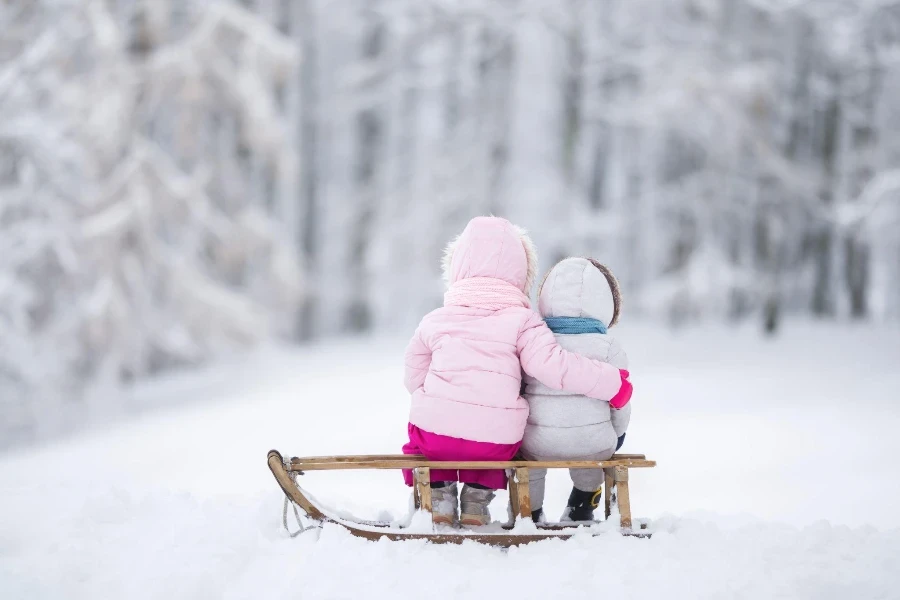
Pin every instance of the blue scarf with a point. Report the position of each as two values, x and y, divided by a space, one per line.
575 325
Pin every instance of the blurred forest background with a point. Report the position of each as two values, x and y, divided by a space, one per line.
183 178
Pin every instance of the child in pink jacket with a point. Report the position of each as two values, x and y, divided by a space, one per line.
464 367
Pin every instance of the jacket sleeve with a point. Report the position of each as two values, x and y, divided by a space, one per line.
417 359
545 360
620 419
622 416
617 356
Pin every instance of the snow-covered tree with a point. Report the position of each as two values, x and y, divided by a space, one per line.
132 242
168 169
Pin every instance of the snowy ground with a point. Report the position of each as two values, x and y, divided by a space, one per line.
777 478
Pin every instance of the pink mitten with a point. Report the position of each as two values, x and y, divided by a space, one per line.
624 395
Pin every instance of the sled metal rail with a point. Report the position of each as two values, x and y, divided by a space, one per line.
615 470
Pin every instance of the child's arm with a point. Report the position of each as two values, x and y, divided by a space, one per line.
545 360
620 419
417 360
617 358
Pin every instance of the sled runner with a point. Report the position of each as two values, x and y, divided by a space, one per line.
616 492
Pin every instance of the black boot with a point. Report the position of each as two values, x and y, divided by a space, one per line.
581 505
538 515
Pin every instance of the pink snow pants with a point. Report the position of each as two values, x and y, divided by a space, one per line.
442 447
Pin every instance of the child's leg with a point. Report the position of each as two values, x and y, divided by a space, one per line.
444 502
494 479
478 492
586 490
588 480
446 448
585 496
473 504
536 486
428 444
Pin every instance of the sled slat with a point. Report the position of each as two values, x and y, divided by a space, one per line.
415 458
297 464
623 498
364 458
423 486
523 492
513 487
609 482
375 530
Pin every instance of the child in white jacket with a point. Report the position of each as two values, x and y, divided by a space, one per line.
579 300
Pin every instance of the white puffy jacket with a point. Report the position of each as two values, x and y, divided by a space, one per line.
562 425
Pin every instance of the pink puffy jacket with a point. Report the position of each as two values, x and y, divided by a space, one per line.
464 364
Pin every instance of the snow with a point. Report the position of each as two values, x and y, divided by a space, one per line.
120 213
181 179
777 478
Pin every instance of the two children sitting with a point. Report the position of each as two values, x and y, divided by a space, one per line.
466 362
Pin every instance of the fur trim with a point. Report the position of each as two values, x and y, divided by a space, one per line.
544 279
447 259
614 288
531 258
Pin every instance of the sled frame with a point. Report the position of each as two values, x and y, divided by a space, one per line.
616 478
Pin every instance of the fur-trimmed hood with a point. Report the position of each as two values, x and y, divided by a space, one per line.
492 247
580 287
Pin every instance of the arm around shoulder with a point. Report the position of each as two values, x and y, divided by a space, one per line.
544 359
616 356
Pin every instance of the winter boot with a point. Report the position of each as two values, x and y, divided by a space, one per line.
537 515
474 503
443 503
581 505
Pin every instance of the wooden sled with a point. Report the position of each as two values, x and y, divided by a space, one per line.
615 470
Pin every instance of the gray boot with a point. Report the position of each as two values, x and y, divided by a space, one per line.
474 506
443 504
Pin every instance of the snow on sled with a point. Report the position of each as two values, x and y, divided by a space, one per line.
616 494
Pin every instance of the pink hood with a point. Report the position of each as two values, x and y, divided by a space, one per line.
492 247
464 364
